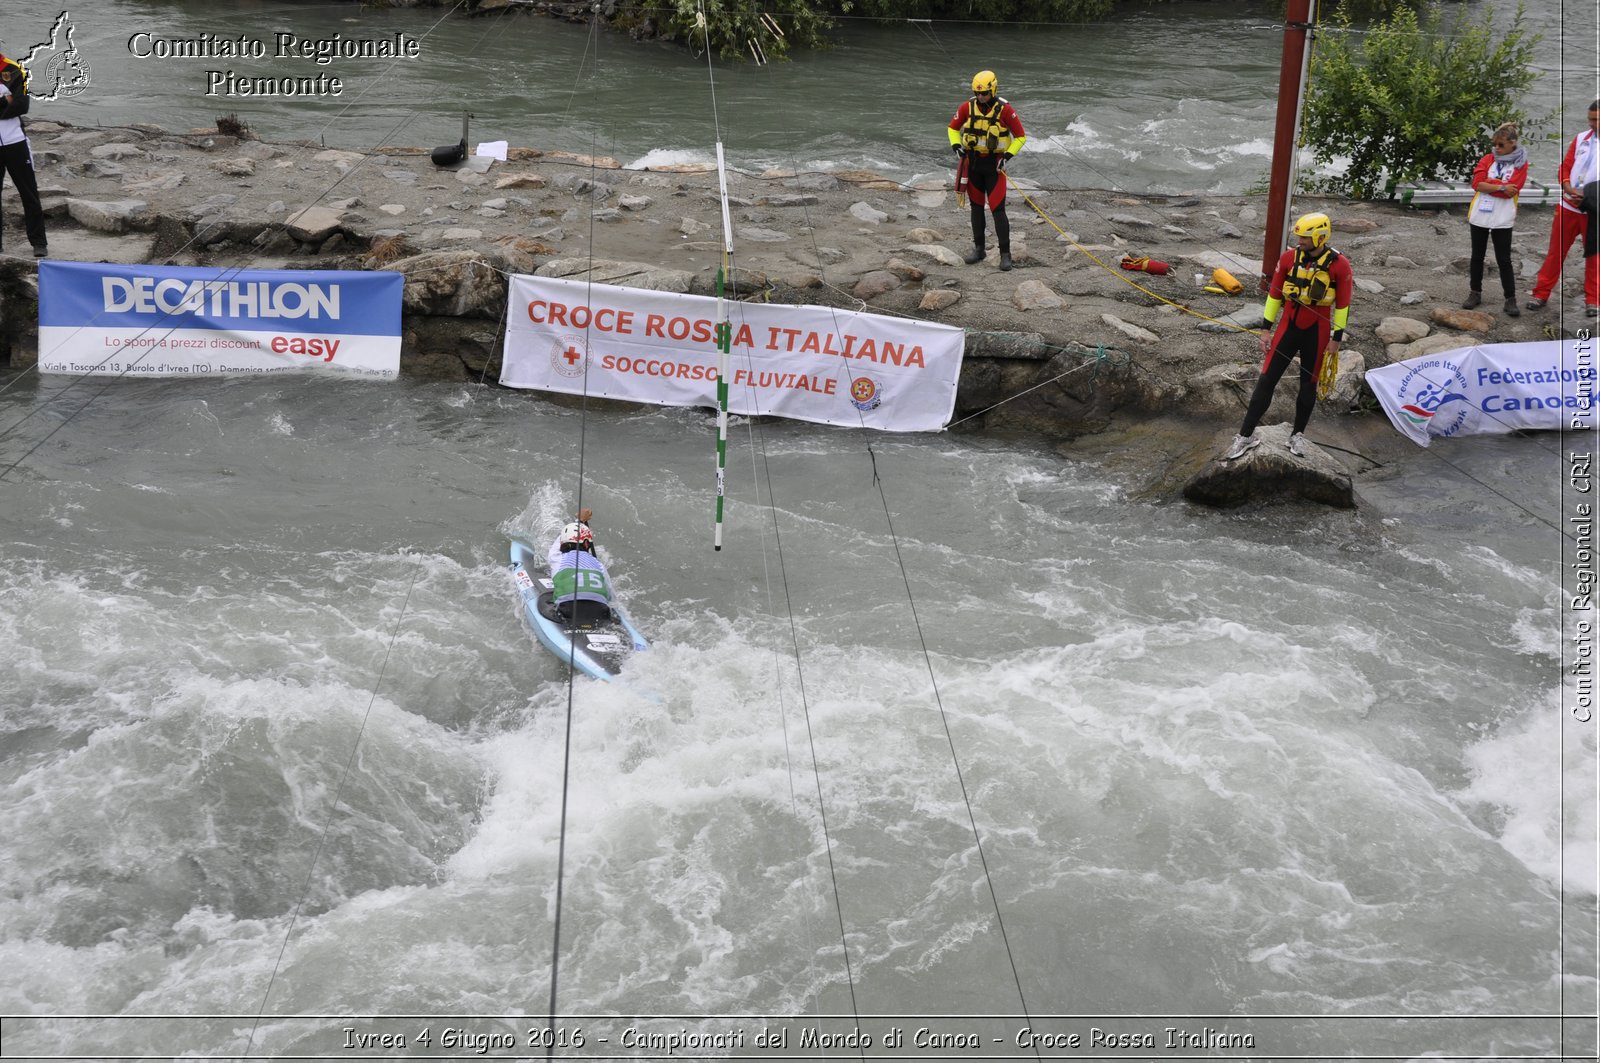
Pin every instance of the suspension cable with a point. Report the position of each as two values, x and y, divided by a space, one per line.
572 635
333 807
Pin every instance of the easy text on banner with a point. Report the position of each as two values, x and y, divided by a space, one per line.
1501 387
810 363
165 321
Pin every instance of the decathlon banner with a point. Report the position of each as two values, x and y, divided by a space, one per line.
164 321
810 363
1501 387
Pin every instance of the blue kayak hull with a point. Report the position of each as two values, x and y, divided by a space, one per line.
595 647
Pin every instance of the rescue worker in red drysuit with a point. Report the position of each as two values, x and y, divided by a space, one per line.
1311 287
986 134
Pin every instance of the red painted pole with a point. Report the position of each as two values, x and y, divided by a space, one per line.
1285 134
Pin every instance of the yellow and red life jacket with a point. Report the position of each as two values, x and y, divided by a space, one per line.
1310 280
983 132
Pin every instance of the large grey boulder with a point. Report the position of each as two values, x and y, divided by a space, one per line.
875 283
1431 344
1462 320
313 224
868 213
1347 383
1401 330
1027 346
628 274
1137 333
1036 295
110 216
460 283
1269 474
939 253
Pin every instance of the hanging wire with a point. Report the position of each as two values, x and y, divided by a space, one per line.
327 821
572 636
842 372
756 433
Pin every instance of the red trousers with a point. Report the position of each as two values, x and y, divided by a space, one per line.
1565 227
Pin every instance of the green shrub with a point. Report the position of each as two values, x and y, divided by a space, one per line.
772 26
1412 98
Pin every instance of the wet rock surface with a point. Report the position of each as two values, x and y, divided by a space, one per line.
1064 346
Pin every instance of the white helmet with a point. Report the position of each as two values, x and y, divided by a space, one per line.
578 536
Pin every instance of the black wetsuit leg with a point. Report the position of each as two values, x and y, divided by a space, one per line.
1296 342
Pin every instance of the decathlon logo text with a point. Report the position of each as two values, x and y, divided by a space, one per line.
258 299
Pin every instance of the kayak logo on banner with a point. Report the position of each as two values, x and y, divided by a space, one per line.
568 356
1423 409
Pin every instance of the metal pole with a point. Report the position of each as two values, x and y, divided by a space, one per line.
1286 134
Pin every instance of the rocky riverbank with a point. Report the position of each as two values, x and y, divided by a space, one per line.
1066 345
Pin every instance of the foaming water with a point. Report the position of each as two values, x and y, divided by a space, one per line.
267 689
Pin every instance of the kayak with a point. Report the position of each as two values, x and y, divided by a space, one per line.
596 645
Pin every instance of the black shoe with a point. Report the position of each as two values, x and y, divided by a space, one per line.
40 250
1512 310
1591 311
1005 261
974 256
1473 299
1536 304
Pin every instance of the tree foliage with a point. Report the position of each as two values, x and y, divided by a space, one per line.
760 30
1411 97
775 28
967 10
1365 10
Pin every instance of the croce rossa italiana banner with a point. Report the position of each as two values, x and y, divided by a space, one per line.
810 363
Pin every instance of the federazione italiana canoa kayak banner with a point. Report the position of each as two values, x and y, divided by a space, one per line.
1496 388
166 321
810 363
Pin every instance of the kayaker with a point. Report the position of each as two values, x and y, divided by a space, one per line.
582 587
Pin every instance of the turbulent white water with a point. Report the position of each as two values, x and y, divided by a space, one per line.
277 753
263 656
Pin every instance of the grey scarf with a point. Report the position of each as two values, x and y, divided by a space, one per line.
1513 158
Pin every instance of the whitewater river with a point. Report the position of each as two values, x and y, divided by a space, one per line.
953 735
277 743
1174 97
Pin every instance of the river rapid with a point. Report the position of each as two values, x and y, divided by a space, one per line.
277 741
953 736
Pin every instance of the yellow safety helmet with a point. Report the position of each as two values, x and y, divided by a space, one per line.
1317 226
983 81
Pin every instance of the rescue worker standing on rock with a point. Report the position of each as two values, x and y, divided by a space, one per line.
985 134
1311 287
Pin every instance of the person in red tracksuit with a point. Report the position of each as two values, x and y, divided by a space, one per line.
1579 167
986 134
1309 298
